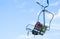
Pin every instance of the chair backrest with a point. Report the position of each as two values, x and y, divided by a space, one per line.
38 25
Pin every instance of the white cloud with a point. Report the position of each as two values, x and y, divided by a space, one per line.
55 26
49 16
33 22
45 36
25 37
57 16
33 37
55 4
19 4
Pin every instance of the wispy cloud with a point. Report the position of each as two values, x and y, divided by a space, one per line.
25 37
57 15
55 26
55 4
33 37
19 4
50 35
33 22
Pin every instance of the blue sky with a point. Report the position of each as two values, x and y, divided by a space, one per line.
16 14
